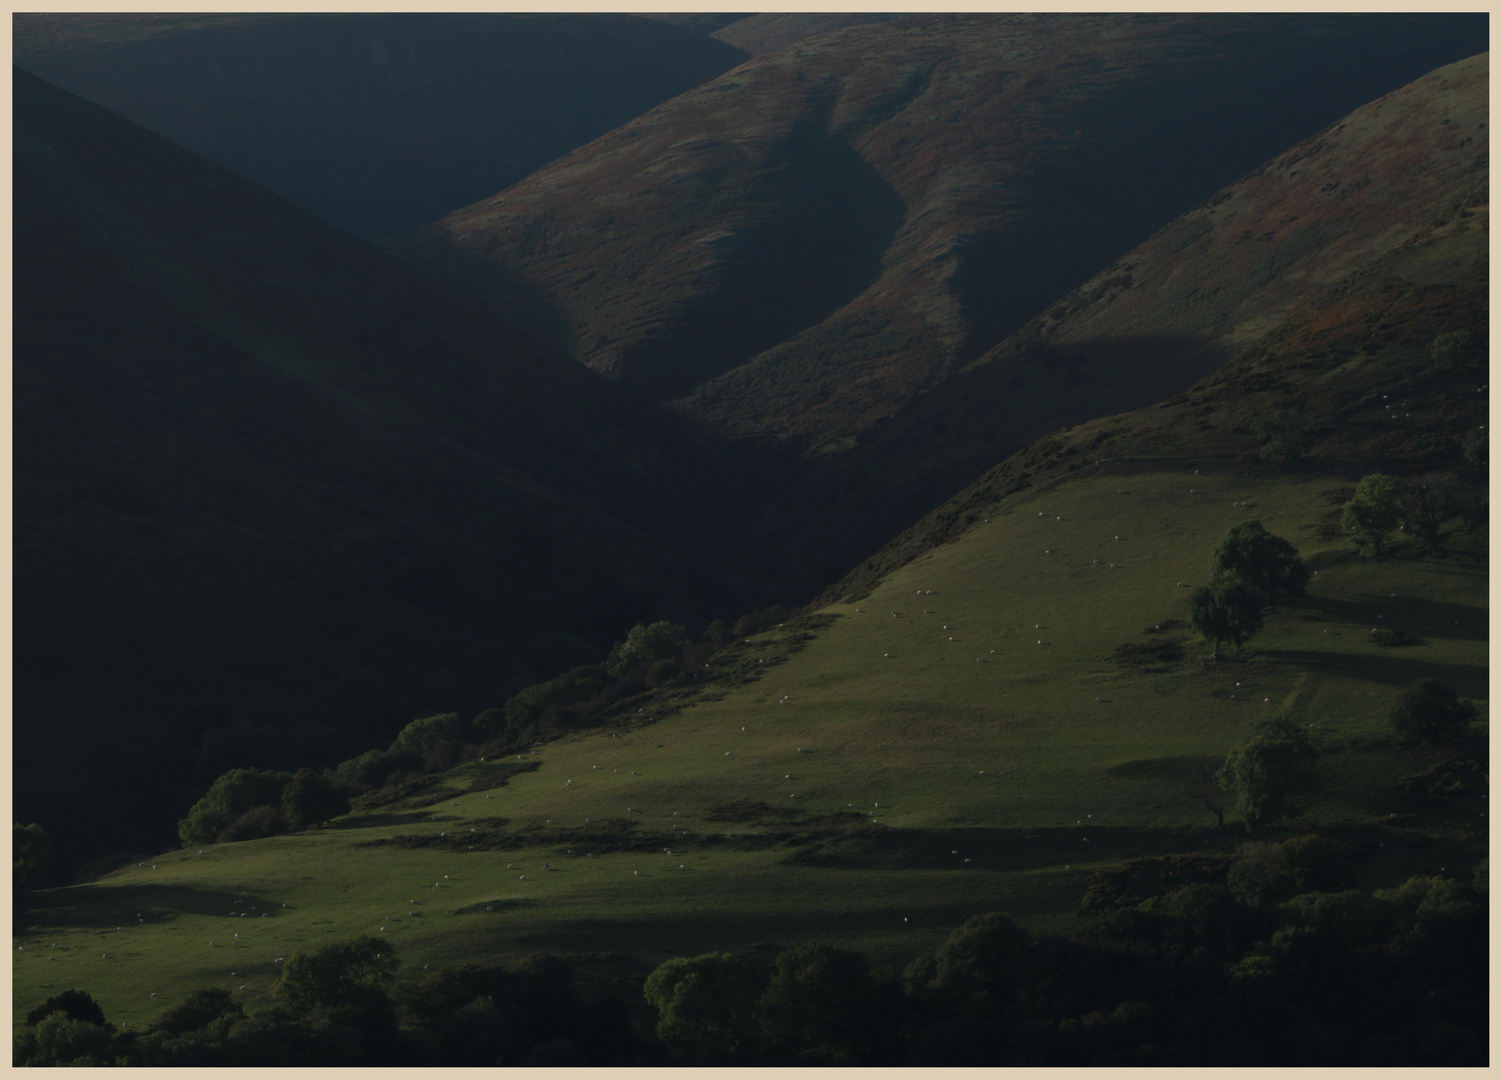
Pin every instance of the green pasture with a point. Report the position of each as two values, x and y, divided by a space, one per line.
977 750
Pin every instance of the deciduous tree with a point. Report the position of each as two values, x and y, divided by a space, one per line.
1265 769
705 1006
1226 610
1373 512
1268 563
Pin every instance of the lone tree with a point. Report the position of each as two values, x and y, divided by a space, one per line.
1226 610
1265 768
1373 512
1429 711
1252 555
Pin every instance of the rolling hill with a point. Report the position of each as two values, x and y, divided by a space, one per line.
1000 705
373 123
808 243
1170 311
266 475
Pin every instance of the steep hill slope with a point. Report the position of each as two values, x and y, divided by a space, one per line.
775 31
963 739
1173 309
372 122
266 474
818 237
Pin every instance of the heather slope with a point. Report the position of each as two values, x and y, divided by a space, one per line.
826 233
266 474
1198 292
372 122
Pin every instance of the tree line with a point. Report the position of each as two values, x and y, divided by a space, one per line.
1268 957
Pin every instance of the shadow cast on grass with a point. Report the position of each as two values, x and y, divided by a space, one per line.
1399 672
1412 614
97 907
979 850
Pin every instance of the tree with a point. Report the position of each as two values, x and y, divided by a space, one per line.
1252 555
353 970
1429 711
423 738
1284 437
1450 351
310 798
1427 503
31 852
198 1010
1205 788
823 999
1265 769
643 644
227 799
981 955
1373 512
74 1004
57 1040
1226 610
705 1006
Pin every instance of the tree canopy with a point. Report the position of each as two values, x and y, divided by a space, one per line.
1265 768
705 1005
1226 610
340 973
31 852
1270 564
230 796
1372 513
645 643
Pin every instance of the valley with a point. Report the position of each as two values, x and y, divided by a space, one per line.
769 528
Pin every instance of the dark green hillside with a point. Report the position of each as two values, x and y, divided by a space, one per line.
267 475
806 244
372 122
1002 796
1198 292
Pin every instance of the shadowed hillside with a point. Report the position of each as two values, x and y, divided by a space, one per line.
266 474
818 237
1197 293
373 123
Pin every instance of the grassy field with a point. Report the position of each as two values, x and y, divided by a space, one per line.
894 774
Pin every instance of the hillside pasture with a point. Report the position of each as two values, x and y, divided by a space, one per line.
980 749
